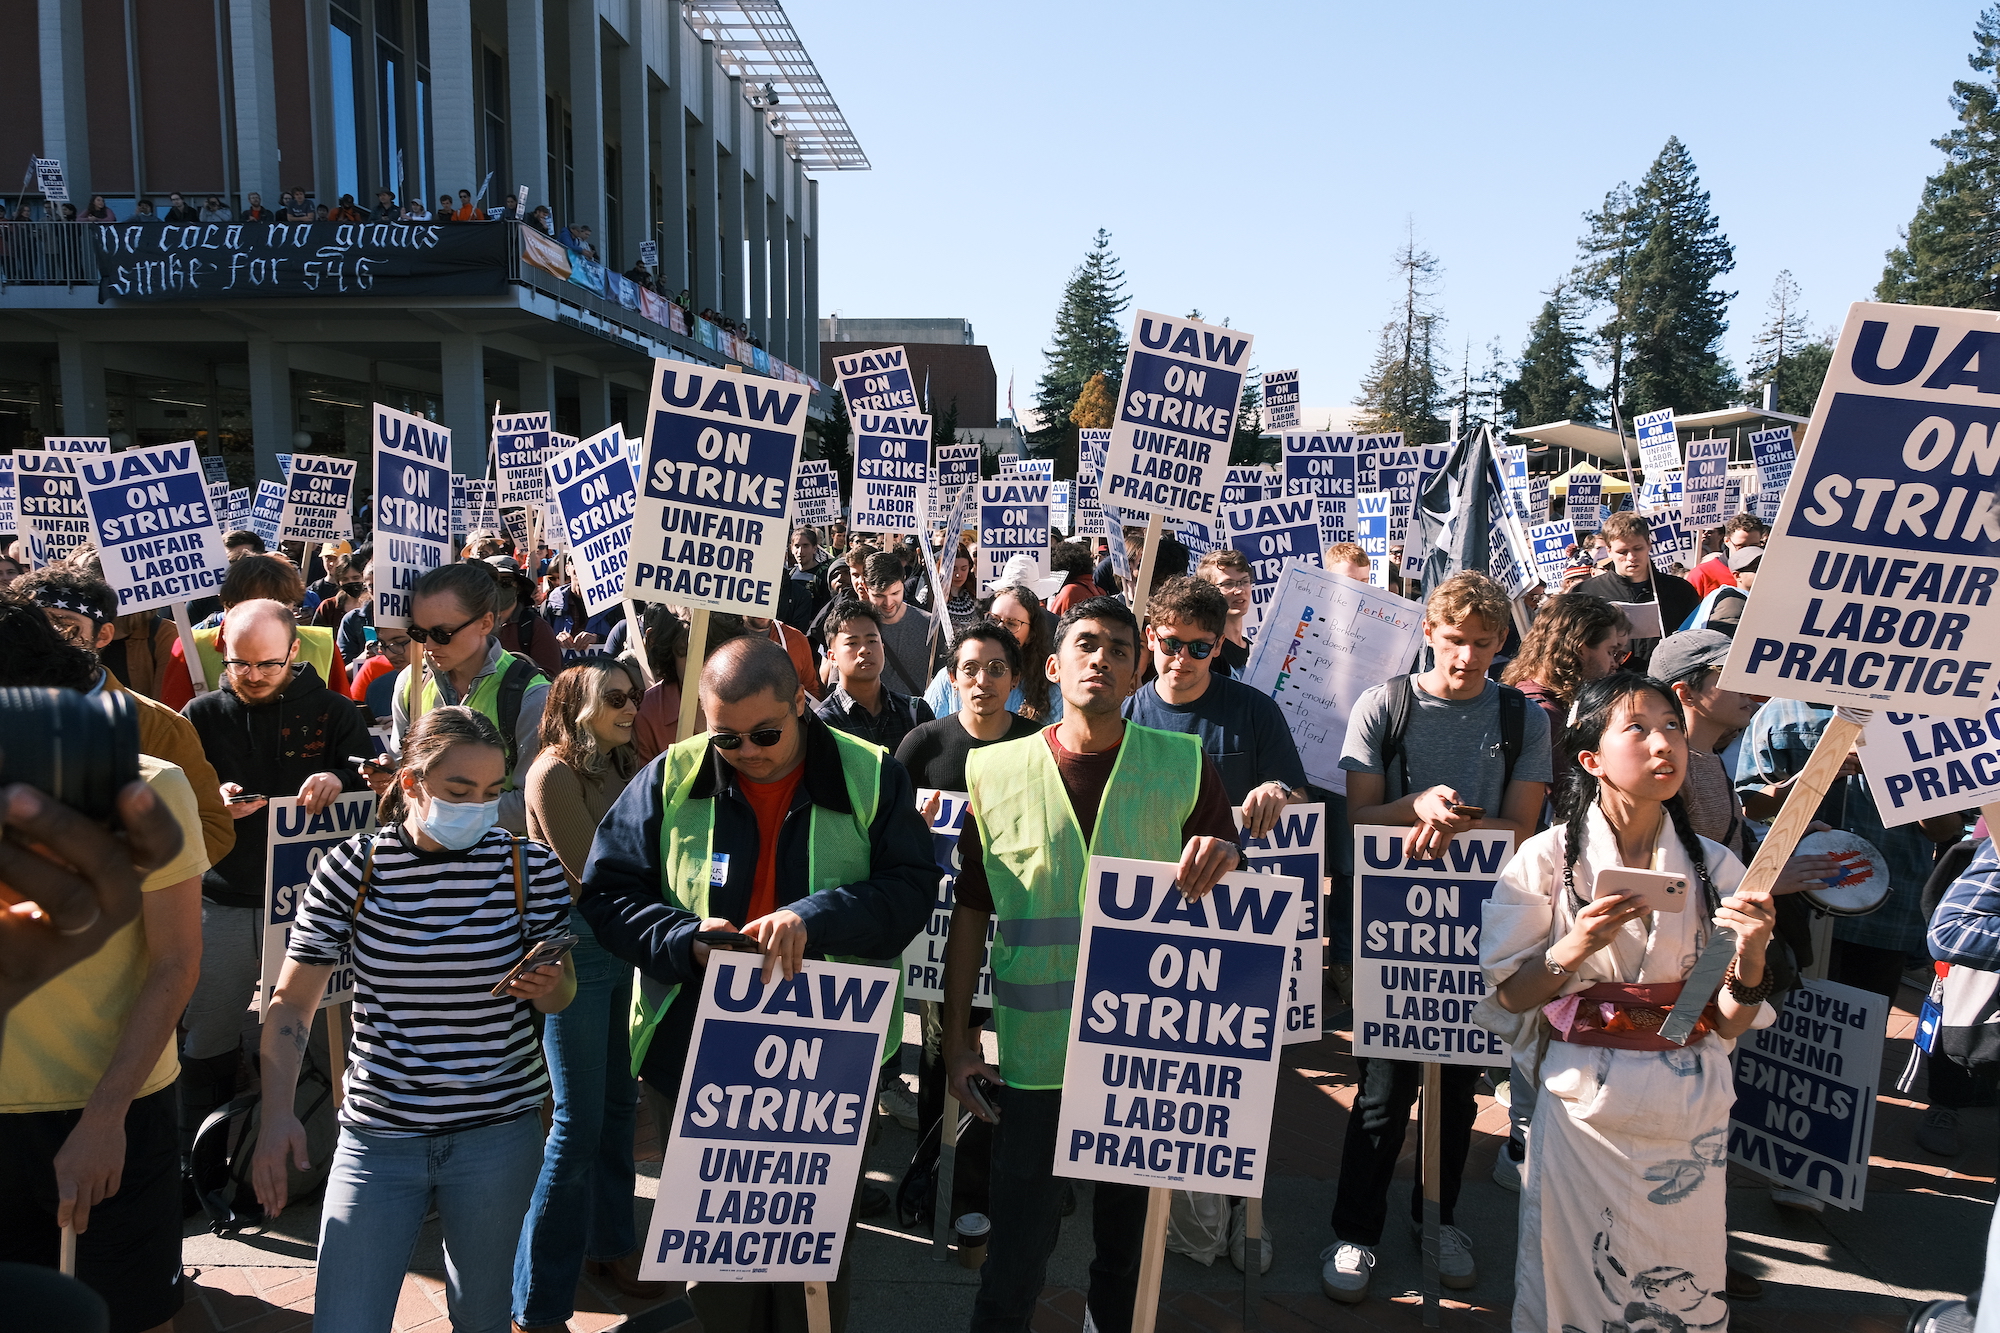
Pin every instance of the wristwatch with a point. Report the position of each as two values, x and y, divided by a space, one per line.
1549 961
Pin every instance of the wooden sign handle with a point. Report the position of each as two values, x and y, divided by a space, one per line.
691 682
1802 803
1253 1257
819 1319
635 636
66 1264
1430 1132
943 1222
197 673
1143 578
1153 1253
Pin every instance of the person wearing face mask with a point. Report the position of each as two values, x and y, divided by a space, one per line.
814 847
273 729
444 1084
452 617
582 1205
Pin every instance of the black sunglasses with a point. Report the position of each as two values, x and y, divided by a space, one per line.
438 634
1172 647
763 738
616 699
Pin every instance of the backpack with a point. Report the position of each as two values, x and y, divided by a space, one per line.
219 1164
1403 698
514 688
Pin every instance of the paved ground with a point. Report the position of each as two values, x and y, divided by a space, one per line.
1920 1237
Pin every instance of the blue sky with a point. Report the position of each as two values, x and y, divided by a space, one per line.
1263 161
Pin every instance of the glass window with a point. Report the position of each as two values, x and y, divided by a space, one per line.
346 123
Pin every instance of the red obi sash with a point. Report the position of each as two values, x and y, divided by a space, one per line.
1624 1017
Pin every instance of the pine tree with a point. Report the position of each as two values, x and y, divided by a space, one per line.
1404 388
1678 316
944 425
1779 345
1089 340
1246 447
1550 384
1603 277
1950 253
837 444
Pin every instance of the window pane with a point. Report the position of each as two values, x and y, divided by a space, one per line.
346 128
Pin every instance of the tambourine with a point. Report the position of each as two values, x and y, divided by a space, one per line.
1860 880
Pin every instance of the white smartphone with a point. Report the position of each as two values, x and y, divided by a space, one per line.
1657 890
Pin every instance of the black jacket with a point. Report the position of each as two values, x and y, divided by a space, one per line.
874 918
271 749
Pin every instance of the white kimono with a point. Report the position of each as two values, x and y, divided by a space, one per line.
1622 1203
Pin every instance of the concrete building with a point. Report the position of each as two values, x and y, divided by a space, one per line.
686 128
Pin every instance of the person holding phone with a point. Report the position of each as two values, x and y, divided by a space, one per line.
1622 1205
445 1081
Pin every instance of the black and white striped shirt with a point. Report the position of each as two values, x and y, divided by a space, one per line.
433 1051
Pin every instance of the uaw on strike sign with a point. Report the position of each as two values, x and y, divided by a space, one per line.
765 1150
1877 586
150 518
1169 448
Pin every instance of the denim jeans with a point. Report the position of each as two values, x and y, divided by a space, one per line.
376 1197
582 1206
1025 1205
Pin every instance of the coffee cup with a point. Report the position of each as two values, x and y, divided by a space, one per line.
972 1229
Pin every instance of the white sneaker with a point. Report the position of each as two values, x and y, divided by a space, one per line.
1237 1240
1507 1171
1797 1200
895 1099
1455 1266
1345 1270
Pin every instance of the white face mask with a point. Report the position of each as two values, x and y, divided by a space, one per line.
459 826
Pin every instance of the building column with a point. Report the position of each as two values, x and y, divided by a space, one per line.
729 170
586 110
635 155
758 159
462 369
670 143
706 280
454 99
256 95
272 418
795 274
65 129
808 325
84 410
593 398
527 103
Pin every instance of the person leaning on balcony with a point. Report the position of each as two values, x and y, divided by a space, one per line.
386 208
179 211
99 211
144 212
214 210
467 210
543 218
298 207
253 208
418 211
347 212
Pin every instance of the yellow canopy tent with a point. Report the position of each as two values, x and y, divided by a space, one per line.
1612 484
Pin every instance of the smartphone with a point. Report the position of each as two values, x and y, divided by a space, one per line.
242 798
1656 890
1469 811
728 939
370 761
547 951
975 1088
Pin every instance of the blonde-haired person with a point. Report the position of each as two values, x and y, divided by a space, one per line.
582 1206
445 1082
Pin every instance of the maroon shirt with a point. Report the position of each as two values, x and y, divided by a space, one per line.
1084 777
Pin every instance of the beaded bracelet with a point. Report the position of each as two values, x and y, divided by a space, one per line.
1742 994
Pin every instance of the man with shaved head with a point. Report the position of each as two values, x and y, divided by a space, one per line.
814 848
271 729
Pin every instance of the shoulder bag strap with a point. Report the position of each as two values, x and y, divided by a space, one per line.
367 874
520 884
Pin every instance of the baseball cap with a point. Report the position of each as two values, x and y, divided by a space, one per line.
1679 655
1745 557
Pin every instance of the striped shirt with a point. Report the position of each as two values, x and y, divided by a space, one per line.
433 1051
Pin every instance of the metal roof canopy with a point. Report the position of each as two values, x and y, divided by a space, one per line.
1599 442
756 40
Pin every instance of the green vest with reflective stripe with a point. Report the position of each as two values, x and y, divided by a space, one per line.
839 851
1036 861
484 699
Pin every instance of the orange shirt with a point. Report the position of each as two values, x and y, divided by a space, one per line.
770 801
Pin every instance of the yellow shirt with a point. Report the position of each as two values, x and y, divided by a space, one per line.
60 1039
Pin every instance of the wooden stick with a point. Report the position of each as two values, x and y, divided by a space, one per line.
1801 804
635 633
691 681
197 673
336 1053
1429 1131
1152 1254
1143 579
66 1265
819 1319
306 562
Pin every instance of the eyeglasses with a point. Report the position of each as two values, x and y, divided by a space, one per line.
996 669
394 645
1235 585
763 738
240 667
1196 648
438 634
616 699
1018 626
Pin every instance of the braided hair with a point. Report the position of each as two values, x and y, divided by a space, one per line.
1588 717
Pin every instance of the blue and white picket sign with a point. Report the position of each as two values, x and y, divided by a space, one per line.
1538 498
711 529
150 518
412 508
1281 400
1508 558
1703 487
892 468
815 493
267 509
239 511
522 443
9 520
1773 453
1403 472
1296 846
1659 444
1876 588
1673 541
1007 463
1013 520
1371 530
1416 946
1512 462
482 506
1322 466
319 495
77 444
1919 766
1662 492
284 467
1039 469
1549 544
215 469
876 381
1169 448
49 500
1059 506
1583 505
1805 1091
458 503
218 506
1241 485
764 1152
1176 1023
923 958
1091 445
957 468
1090 519
1267 534
593 491
298 842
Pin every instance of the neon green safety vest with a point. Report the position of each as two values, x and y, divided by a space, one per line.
1036 862
315 646
839 851
485 698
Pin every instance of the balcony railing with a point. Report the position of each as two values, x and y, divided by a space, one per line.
48 254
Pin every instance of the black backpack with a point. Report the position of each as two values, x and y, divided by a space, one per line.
220 1162
1403 698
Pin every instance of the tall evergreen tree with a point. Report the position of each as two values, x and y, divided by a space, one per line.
1404 389
1604 278
1549 384
837 443
1783 353
1678 315
1950 253
1089 339
944 425
1246 447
